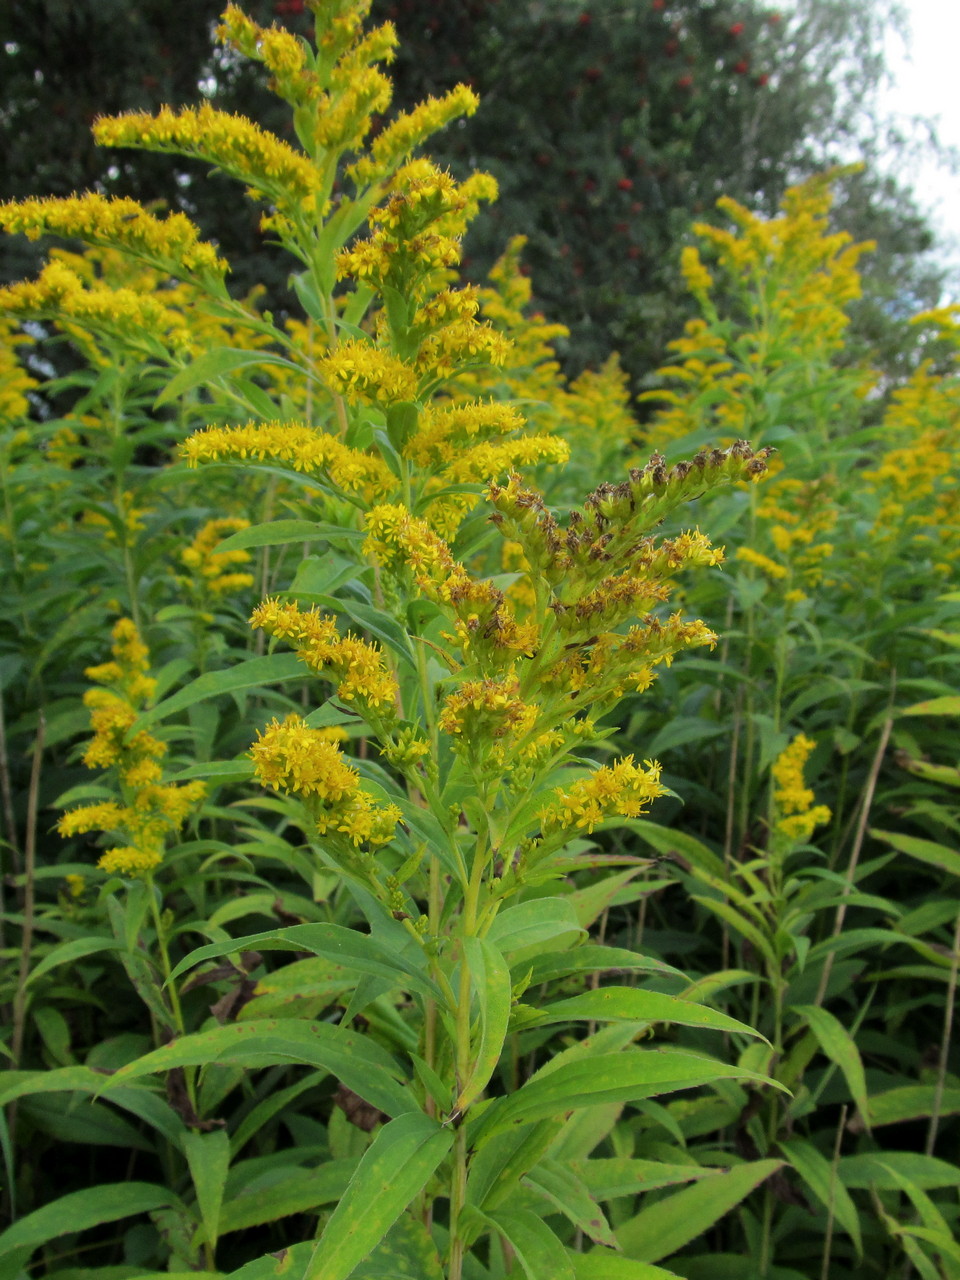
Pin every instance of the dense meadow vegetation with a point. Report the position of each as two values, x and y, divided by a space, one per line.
459 823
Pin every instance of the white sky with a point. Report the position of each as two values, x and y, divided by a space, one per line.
926 84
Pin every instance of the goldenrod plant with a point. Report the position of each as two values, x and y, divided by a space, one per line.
472 795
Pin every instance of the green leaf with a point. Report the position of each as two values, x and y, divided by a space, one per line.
17 1084
391 1172
668 1225
81 1210
601 1264
539 1252
359 951
621 1176
928 851
946 706
277 533
208 1156
407 1253
605 1077
840 1047
529 924
561 1186
252 674
911 1102
359 1062
591 958
632 1004
825 1183
285 1264
490 979
67 952
300 1191
215 364
668 841
876 1169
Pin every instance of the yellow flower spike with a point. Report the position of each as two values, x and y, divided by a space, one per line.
290 756
270 167
127 315
304 448
799 817
171 244
408 131
362 372
210 567
770 567
103 816
356 666
130 861
623 789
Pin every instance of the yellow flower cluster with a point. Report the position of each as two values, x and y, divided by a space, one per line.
408 131
301 447
770 567
915 481
152 809
15 382
487 708
214 571
171 244
357 667
445 430
486 628
271 168
791 279
129 316
792 797
623 789
291 756
362 372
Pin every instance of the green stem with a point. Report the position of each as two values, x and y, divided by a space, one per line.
167 969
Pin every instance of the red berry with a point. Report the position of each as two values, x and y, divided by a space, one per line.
622 227
637 206
625 184
685 82
634 251
736 29
762 79
593 73
658 5
742 67
584 20
670 48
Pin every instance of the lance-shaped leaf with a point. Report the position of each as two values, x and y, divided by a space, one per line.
607 1077
358 951
664 1227
490 979
840 1047
81 1210
824 1181
359 1062
393 1170
631 1004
